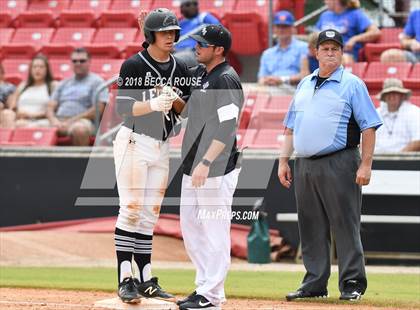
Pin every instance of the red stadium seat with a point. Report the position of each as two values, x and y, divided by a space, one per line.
34 136
76 36
108 43
260 7
48 5
268 139
132 5
245 137
6 35
29 19
375 100
107 68
357 68
390 35
373 51
250 24
413 80
94 5
13 7
5 135
83 19
297 7
16 68
5 19
118 19
26 42
132 48
83 13
281 102
218 7
61 68
176 142
271 119
415 100
377 72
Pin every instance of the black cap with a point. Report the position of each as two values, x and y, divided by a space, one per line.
214 35
330 35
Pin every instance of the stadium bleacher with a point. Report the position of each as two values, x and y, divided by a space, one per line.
109 30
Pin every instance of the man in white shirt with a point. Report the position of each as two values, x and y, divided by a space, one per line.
401 129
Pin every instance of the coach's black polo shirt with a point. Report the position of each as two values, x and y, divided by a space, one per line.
213 112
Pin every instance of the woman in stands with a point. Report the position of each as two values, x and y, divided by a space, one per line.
32 96
346 17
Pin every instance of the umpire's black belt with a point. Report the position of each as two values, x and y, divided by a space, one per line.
332 153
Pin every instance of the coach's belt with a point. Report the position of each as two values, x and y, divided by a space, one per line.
329 154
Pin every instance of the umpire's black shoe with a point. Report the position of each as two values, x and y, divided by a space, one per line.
151 289
127 291
198 302
352 291
299 294
188 298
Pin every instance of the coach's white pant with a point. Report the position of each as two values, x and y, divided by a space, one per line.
142 168
205 224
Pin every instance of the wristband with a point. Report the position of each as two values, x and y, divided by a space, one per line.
206 162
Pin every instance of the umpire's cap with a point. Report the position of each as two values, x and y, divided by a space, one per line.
160 20
216 35
330 35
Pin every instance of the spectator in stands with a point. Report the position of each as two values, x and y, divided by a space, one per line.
310 61
6 89
401 130
72 106
410 41
31 98
346 17
192 19
283 63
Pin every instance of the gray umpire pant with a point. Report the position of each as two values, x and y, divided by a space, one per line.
327 198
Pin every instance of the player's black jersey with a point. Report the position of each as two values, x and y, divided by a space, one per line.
139 75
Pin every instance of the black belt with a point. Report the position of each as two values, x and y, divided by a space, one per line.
329 154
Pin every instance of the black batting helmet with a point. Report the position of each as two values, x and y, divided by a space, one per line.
160 20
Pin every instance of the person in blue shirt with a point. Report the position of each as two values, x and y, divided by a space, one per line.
330 112
410 41
282 63
356 28
190 23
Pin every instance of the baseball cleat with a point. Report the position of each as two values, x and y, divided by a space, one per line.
198 302
299 294
188 298
351 291
127 291
151 289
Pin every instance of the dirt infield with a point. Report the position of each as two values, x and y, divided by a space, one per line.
19 299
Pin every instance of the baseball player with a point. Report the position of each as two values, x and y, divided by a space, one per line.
210 167
149 99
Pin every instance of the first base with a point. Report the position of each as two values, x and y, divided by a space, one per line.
146 303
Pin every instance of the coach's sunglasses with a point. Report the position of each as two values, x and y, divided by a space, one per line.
75 61
204 45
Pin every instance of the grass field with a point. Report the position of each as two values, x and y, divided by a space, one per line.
391 290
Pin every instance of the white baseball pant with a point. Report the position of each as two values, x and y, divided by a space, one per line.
142 168
207 239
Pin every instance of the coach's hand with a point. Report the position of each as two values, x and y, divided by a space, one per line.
199 175
363 175
161 103
285 175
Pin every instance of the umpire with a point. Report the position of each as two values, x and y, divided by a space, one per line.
330 109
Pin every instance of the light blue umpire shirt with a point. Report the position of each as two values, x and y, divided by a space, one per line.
277 61
330 118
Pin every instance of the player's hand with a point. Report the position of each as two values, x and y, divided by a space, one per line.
170 93
285 174
363 175
161 103
199 175
415 46
348 47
